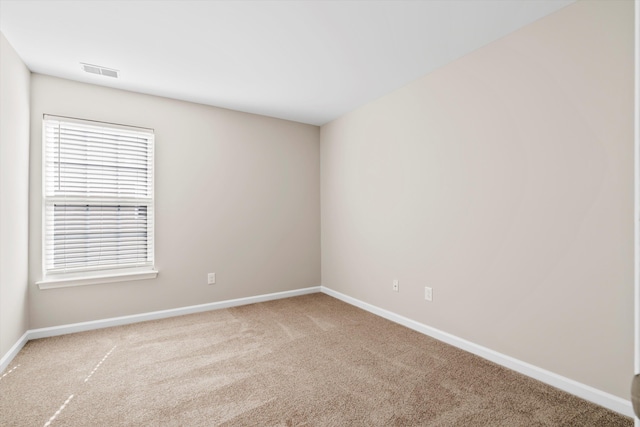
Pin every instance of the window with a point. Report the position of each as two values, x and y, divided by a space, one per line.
98 201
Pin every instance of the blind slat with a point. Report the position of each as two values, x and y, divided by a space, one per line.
97 166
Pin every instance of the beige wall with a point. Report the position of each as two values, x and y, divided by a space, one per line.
236 194
504 181
14 200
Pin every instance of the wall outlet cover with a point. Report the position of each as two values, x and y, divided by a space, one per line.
428 293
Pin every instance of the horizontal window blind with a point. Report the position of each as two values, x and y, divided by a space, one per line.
98 196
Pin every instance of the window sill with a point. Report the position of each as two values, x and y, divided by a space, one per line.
95 278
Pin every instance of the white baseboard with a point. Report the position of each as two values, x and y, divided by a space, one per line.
154 315
13 351
583 391
135 318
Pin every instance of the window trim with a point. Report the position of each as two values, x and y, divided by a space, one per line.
52 280
95 277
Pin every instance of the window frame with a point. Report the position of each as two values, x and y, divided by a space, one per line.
96 274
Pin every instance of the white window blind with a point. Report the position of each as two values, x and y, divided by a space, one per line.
98 196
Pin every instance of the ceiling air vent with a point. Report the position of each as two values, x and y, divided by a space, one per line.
97 69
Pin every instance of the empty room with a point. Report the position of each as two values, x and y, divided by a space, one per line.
319 213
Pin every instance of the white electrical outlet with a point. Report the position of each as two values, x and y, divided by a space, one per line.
428 293
211 278
395 285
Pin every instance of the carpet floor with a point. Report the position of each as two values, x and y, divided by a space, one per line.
305 361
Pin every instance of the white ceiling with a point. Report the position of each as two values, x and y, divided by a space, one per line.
307 61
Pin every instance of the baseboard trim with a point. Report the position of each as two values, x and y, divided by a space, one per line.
13 351
53 331
583 391
163 314
576 388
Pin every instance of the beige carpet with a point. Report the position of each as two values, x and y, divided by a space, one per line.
304 361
